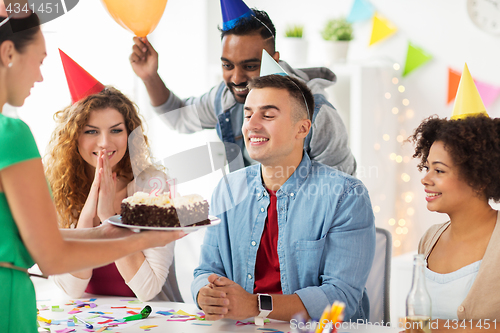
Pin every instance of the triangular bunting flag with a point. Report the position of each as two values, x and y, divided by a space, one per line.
487 91
361 10
453 81
467 102
382 28
269 66
415 57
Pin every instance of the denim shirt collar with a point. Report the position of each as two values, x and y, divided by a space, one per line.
292 185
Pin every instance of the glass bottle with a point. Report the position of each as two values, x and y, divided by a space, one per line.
418 302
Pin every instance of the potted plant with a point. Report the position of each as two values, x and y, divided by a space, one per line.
337 33
294 47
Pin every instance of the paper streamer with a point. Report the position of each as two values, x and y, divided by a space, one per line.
468 101
361 10
488 92
382 29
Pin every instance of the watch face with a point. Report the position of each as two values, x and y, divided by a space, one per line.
485 14
266 302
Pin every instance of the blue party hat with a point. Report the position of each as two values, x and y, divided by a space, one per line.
232 12
269 66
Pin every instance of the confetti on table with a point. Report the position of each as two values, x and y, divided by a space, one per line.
202 324
132 312
148 326
118 307
242 323
43 307
56 308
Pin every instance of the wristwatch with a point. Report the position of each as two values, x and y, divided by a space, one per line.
265 308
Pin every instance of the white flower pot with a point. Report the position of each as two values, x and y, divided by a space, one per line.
293 50
336 51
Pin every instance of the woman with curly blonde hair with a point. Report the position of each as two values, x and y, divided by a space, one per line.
103 129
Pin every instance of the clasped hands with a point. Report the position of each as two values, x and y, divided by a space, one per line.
102 193
224 298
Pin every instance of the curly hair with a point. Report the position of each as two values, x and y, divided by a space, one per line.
473 144
65 168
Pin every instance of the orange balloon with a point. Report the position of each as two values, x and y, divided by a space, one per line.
140 17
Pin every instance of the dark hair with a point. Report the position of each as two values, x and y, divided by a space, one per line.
21 31
297 89
473 144
258 23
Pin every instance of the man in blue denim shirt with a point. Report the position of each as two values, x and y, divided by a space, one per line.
325 224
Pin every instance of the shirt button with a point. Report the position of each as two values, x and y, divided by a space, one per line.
227 120
249 276
291 194
262 210
461 308
254 243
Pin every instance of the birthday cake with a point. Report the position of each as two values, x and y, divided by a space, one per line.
142 209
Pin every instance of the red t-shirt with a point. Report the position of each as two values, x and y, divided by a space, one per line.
267 266
107 280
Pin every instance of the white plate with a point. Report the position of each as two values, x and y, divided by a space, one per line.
117 220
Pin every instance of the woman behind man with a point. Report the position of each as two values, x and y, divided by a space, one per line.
102 122
28 221
461 158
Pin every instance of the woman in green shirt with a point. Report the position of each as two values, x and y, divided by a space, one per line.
28 223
